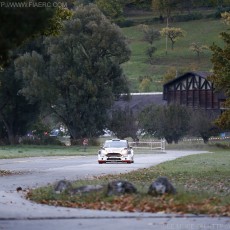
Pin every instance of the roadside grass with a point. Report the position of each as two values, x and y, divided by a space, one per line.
21 151
205 31
202 182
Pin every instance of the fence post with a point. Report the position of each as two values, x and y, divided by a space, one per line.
162 144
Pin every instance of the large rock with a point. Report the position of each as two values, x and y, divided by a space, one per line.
62 186
66 186
161 186
120 187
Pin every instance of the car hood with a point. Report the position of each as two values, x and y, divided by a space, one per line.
114 150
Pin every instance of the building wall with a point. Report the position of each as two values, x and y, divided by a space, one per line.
192 90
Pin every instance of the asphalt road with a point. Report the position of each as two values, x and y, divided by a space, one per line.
18 213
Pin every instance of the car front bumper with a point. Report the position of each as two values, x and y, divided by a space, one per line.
113 158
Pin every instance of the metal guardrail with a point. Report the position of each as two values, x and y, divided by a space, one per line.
152 145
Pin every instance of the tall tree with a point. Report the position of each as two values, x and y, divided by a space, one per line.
16 113
82 75
221 78
164 7
20 23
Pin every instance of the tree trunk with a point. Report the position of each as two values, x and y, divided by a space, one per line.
205 139
12 137
172 45
169 140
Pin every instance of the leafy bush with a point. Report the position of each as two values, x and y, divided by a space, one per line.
222 145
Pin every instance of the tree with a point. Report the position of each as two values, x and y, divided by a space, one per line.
226 17
150 51
113 9
150 35
123 123
16 113
169 122
202 124
79 76
186 5
198 48
170 74
221 68
173 34
164 7
18 24
145 83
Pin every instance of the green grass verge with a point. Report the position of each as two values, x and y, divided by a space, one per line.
10 152
202 183
7 152
21 151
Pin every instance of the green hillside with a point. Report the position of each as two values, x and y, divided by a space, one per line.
203 31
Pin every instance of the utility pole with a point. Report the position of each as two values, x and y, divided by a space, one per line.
166 36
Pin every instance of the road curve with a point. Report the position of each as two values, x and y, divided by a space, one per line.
17 212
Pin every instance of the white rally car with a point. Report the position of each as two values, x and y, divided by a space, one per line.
116 150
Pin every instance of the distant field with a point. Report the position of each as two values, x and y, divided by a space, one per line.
204 31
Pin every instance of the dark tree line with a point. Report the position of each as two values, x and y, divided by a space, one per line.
172 122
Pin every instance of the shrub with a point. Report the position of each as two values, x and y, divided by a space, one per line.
222 145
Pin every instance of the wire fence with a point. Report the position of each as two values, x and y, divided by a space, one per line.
150 145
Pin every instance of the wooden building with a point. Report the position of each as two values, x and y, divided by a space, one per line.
193 89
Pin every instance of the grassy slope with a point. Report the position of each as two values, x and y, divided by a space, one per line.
203 31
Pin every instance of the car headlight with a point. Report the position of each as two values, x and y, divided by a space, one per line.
102 152
124 152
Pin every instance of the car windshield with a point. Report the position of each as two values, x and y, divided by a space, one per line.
115 144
